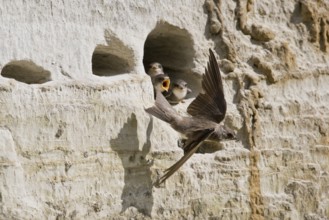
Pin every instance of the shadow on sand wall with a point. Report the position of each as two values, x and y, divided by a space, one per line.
137 191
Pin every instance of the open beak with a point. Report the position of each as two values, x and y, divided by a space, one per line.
166 84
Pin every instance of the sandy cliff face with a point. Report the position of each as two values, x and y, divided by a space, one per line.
76 143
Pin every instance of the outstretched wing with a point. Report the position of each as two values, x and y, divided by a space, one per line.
191 146
162 109
211 104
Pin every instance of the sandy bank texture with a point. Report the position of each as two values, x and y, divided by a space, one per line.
75 142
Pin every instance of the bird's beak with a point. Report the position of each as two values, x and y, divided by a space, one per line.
166 84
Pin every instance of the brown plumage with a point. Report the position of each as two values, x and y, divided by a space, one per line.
207 111
178 92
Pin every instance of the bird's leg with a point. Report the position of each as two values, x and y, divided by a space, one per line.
181 143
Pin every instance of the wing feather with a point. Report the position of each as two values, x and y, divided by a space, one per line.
211 104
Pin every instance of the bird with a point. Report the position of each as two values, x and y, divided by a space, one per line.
178 92
160 80
155 68
206 111
161 83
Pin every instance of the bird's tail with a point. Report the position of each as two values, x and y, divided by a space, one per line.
162 109
190 147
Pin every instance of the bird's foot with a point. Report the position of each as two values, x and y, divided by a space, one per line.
181 143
